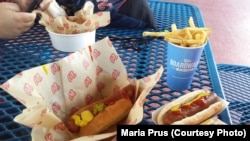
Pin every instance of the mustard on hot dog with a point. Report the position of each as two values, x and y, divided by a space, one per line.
191 108
100 115
86 116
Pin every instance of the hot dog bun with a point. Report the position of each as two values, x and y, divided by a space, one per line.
197 118
114 108
110 116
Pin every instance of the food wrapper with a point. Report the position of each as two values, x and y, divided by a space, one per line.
214 121
211 121
83 20
53 91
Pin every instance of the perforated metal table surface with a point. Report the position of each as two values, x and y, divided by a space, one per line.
141 56
235 80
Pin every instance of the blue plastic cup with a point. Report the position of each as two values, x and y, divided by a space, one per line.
181 65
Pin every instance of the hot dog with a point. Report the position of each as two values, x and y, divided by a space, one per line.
102 114
191 108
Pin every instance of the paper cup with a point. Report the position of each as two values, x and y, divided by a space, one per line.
181 65
71 42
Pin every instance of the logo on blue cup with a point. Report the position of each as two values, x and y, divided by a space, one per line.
184 65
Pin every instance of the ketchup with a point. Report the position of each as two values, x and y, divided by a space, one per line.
110 102
200 102
177 112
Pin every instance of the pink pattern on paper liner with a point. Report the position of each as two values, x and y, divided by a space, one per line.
73 110
71 76
85 64
6 85
28 89
51 20
100 86
96 53
75 31
116 89
87 81
113 58
55 68
66 25
71 94
48 137
89 99
43 112
37 78
56 107
87 23
70 58
60 28
115 74
98 70
60 126
55 87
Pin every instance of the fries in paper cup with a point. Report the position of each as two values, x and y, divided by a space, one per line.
191 36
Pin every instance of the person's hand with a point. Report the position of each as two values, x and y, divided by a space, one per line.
13 22
24 4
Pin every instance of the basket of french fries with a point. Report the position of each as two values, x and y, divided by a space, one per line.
185 47
80 97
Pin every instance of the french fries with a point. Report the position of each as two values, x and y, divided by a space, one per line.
191 36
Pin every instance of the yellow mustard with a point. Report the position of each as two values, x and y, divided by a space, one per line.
86 117
196 98
45 68
177 107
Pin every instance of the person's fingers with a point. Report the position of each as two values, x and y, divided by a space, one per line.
24 21
27 17
13 21
27 25
24 29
